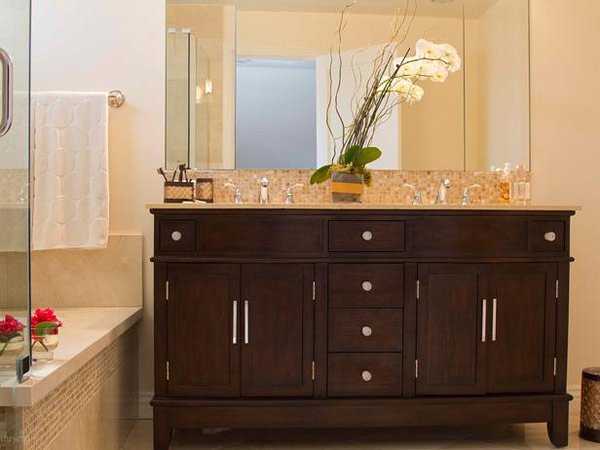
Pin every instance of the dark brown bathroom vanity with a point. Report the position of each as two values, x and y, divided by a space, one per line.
331 316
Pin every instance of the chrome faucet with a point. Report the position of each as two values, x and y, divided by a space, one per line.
289 193
237 196
263 191
442 196
466 200
417 199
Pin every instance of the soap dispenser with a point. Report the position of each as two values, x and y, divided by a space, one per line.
504 186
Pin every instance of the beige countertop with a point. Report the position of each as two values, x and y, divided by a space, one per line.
360 206
85 333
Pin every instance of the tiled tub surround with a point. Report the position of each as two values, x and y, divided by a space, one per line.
105 277
388 186
87 397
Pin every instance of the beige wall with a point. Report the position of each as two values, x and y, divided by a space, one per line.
501 54
112 276
566 149
114 44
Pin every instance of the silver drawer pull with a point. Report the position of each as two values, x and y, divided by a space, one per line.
367 236
494 318
550 236
367 331
235 308
366 376
484 320
246 322
176 236
367 286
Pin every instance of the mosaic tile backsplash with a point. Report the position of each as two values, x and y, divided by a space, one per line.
388 186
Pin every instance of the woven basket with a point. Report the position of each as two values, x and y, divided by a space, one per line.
205 190
176 192
590 404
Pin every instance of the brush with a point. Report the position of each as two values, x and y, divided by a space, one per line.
161 171
181 172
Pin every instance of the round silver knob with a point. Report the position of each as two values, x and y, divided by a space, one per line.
367 286
366 376
367 331
176 236
550 236
367 236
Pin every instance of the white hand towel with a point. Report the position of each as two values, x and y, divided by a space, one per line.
70 166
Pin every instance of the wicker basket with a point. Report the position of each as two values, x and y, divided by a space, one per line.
205 190
590 404
176 192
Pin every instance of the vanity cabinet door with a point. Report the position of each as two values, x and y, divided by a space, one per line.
203 357
450 347
522 332
278 330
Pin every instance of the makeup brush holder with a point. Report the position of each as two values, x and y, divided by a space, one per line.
179 192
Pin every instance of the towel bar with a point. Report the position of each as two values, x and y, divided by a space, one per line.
116 98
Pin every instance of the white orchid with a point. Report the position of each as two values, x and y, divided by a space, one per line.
432 62
426 49
408 67
440 75
415 94
408 90
451 57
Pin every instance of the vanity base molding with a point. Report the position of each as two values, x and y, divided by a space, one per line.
283 319
170 414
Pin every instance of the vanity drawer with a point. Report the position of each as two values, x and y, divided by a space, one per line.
365 330
468 236
364 375
366 285
366 236
177 235
547 236
261 235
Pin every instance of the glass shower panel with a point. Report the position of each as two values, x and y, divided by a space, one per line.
14 185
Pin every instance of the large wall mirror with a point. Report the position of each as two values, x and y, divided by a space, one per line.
248 83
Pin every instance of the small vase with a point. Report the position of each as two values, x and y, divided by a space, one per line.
10 350
42 347
347 187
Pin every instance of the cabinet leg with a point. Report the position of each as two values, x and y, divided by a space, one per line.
558 429
162 431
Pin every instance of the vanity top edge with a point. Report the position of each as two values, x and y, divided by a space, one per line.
357 206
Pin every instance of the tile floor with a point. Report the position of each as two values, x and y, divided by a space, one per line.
492 437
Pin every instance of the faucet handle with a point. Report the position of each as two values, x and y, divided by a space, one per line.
467 193
237 196
442 195
289 192
417 198
289 187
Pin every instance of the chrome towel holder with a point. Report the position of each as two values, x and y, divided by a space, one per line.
116 98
